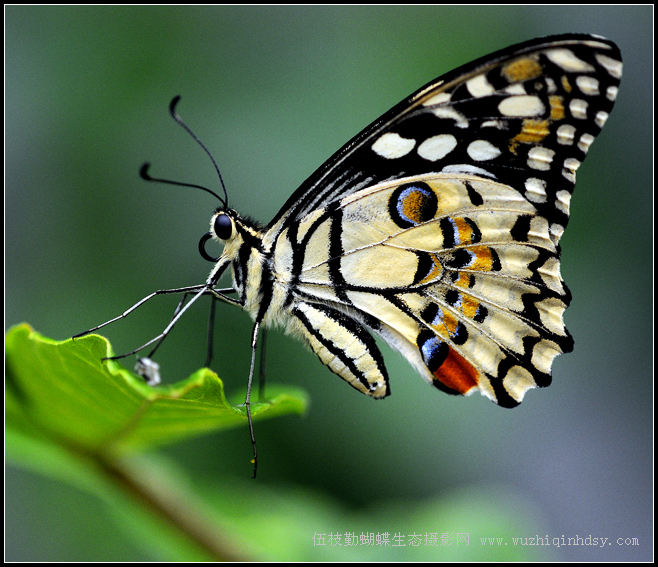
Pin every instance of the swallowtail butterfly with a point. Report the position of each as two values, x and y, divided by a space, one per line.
436 228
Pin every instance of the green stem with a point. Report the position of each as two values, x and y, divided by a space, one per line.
172 510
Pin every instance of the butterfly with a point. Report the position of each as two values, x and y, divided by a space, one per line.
436 228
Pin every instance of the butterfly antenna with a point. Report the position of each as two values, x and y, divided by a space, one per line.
177 118
144 174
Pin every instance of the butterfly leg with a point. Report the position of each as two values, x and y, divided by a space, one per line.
139 304
261 374
211 332
168 328
147 368
247 401
176 312
218 294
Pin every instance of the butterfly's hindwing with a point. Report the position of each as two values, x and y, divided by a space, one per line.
344 346
438 226
458 281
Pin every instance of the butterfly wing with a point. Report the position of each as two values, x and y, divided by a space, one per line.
438 225
510 100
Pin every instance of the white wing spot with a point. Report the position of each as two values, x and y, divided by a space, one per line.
479 86
549 272
543 354
481 150
563 201
585 142
587 85
556 231
538 230
578 108
612 66
540 158
570 167
515 89
550 313
440 98
566 59
467 168
535 190
451 114
601 118
565 134
392 146
550 85
437 147
524 105
611 93
494 124
517 381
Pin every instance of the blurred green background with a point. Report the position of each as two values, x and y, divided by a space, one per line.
273 92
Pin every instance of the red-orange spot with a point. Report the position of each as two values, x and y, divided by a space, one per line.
457 373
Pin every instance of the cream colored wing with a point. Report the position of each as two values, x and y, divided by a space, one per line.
455 271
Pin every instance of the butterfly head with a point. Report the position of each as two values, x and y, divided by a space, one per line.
222 229
233 231
242 239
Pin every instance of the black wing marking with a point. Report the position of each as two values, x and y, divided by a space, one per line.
555 92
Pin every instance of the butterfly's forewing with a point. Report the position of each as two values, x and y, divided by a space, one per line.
502 99
438 226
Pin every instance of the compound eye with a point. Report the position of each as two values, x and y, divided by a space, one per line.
223 226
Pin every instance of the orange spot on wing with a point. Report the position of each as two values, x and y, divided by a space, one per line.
557 108
464 280
470 306
522 70
451 324
465 231
414 205
532 132
435 272
457 373
483 259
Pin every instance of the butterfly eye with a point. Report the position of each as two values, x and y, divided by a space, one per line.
223 227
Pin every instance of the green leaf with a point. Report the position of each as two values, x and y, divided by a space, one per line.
75 417
64 391
80 420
